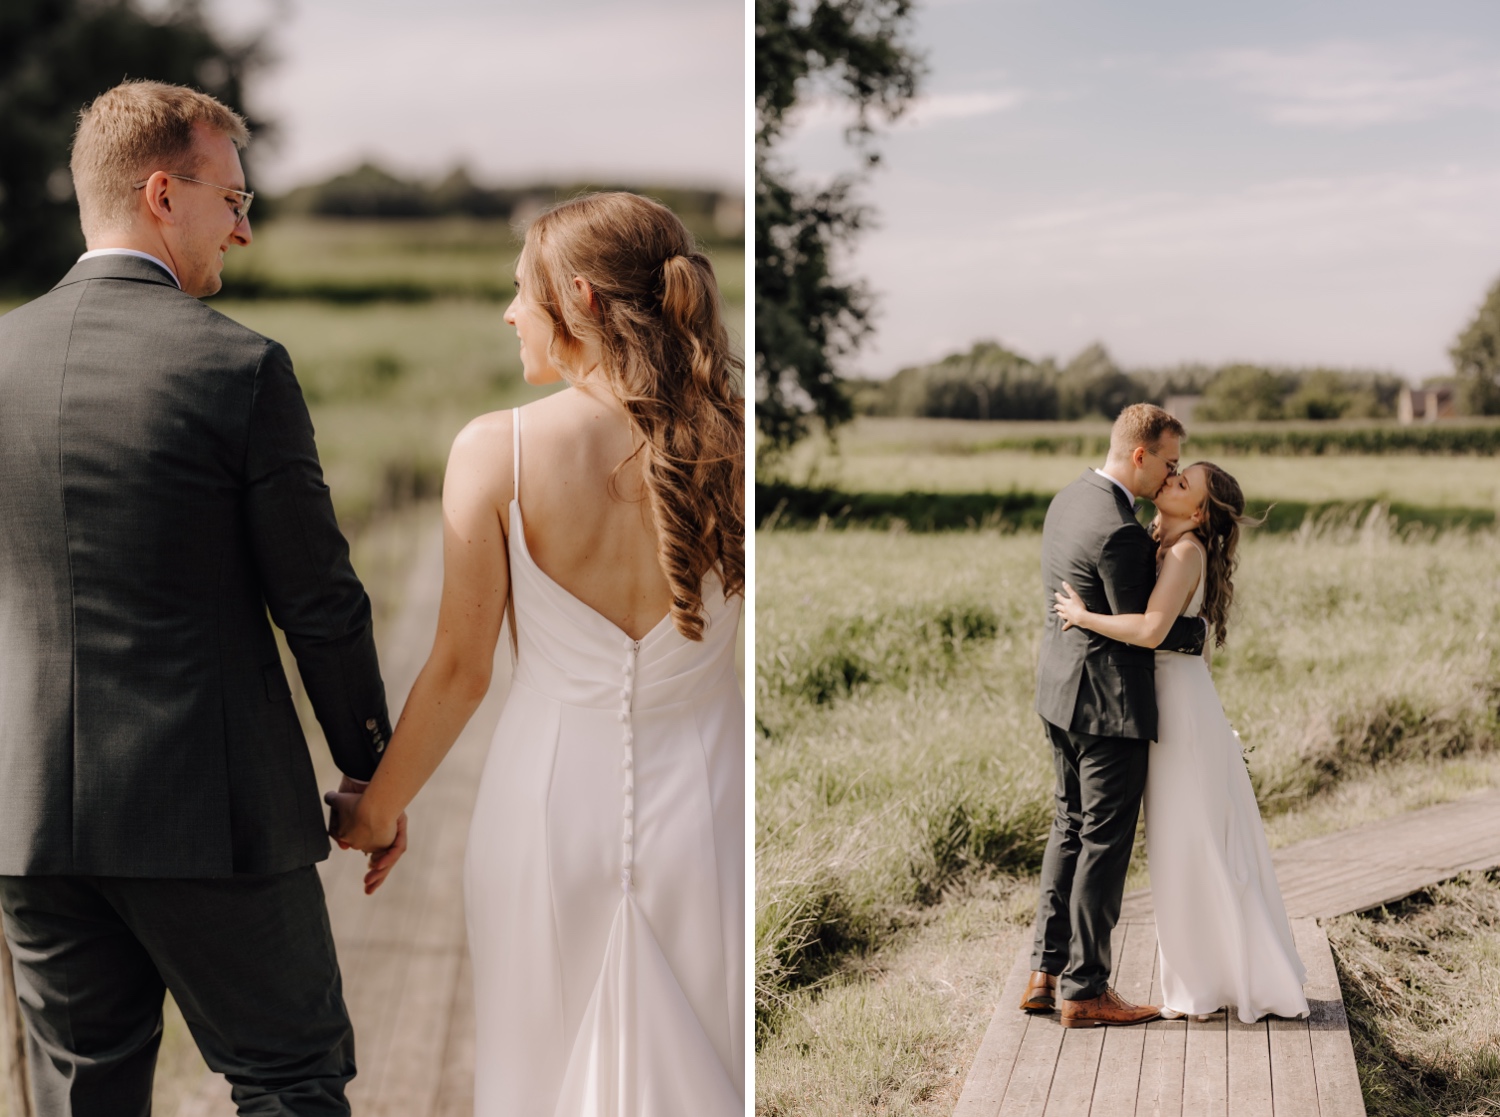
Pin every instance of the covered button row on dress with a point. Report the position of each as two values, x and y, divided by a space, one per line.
627 762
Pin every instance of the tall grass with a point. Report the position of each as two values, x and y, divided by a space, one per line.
898 756
1422 986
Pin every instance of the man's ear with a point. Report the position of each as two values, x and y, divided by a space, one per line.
1138 457
159 197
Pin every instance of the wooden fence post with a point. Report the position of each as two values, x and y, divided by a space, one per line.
12 1039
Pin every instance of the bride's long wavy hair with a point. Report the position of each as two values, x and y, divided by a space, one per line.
665 354
1223 517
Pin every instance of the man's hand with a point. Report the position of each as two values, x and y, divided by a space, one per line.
352 825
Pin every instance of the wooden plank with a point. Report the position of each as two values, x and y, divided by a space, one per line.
1294 1092
1077 1067
1249 1069
984 1089
1285 1067
1163 1060
1335 1075
1205 1079
1031 1077
1137 907
1077 1071
1117 1085
410 1080
456 1092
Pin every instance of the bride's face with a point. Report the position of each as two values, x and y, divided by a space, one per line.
1183 496
534 331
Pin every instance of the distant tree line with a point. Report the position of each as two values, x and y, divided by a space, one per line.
370 191
992 382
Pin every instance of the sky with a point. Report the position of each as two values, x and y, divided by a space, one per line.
1292 183
650 91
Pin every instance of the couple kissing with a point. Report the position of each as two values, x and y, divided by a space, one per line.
1125 694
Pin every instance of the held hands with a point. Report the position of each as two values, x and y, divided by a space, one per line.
1069 606
351 823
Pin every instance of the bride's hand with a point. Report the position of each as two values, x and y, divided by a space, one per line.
352 824
1069 607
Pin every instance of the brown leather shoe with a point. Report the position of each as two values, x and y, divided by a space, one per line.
1041 993
1107 1008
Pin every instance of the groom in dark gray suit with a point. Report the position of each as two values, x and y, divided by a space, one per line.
160 493
1098 699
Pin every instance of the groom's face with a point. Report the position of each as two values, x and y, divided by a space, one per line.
205 224
1157 464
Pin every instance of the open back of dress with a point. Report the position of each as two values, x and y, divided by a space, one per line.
605 874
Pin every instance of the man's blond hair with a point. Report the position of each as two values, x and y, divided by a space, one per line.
131 131
1141 424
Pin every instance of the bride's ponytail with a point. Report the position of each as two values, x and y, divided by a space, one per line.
666 355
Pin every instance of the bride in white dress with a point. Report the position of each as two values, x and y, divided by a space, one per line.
604 881
1222 931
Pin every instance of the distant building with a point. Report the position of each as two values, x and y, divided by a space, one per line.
1426 404
1181 408
729 216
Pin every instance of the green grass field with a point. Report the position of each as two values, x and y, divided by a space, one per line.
414 259
927 455
902 779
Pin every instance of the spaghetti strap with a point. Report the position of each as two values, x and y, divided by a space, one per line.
515 445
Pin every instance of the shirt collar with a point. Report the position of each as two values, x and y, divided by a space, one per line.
1129 496
89 255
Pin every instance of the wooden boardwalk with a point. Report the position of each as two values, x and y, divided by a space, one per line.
403 951
1031 1065
1379 862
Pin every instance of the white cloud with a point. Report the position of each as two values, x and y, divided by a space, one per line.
826 113
932 108
1355 85
1376 270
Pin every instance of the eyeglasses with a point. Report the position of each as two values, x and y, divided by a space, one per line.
241 210
1171 466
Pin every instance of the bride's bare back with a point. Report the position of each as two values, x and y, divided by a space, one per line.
588 525
594 536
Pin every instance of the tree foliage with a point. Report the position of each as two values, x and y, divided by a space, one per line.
55 57
1243 392
1092 384
989 381
807 320
1476 358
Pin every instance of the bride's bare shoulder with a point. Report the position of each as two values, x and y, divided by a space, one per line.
1187 550
482 453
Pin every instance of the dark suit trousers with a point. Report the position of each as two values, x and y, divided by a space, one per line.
249 960
1100 781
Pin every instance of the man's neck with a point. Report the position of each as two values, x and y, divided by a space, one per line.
136 242
1116 473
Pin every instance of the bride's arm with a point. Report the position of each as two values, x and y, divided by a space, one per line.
476 581
1180 570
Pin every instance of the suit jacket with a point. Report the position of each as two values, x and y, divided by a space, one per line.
159 493
1087 683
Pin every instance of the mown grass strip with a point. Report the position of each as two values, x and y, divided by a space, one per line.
781 505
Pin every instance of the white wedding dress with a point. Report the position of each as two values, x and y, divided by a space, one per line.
1222 931
604 881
